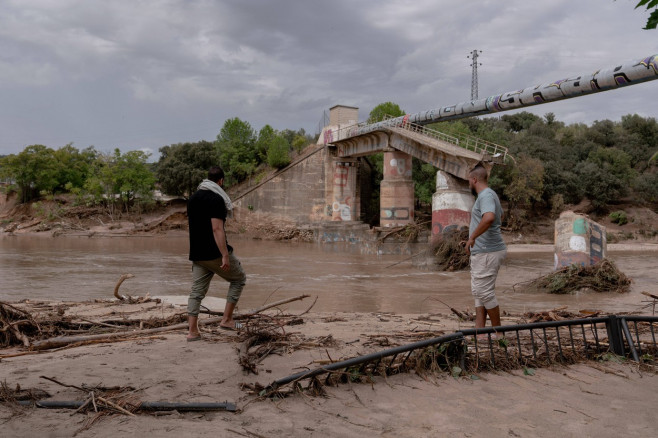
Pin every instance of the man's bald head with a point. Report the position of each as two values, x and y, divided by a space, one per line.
480 173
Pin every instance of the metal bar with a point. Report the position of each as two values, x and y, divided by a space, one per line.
548 353
629 338
584 337
637 336
493 360
653 335
405 359
596 337
614 335
559 342
518 346
374 368
388 367
532 341
573 346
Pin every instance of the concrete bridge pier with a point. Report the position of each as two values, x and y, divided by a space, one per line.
396 191
345 205
451 204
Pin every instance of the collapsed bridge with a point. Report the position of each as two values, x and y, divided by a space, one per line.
329 182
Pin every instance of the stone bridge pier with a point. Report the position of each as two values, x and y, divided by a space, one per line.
397 190
451 204
346 203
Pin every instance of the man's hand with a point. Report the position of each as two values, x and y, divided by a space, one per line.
469 244
226 265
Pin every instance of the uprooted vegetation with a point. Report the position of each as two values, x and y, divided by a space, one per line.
603 276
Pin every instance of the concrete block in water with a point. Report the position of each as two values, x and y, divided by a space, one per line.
578 240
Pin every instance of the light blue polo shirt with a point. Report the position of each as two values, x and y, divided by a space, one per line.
491 240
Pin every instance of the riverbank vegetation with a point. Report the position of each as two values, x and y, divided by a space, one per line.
602 168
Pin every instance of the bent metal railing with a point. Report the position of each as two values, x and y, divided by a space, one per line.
488 150
504 347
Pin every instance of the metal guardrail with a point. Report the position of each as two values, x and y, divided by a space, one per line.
532 344
485 148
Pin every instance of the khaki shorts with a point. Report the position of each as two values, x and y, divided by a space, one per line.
203 272
484 270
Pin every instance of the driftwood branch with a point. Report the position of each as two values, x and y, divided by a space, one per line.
274 304
123 278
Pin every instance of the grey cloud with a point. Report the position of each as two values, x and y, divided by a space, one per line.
145 74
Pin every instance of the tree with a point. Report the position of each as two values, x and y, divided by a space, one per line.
266 136
278 153
121 179
183 166
299 142
605 176
236 143
73 167
652 21
382 110
34 170
519 121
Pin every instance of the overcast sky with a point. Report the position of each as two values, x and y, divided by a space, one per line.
141 74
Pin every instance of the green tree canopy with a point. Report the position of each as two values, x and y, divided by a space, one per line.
382 110
183 166
278 153
238 156
33 170
121 179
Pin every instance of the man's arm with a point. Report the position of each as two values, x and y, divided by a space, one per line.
220 239
487 219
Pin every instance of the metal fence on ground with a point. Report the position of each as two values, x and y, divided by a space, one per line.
505 347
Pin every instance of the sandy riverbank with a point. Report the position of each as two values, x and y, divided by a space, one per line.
591 399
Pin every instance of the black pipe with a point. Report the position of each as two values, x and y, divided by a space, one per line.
145 406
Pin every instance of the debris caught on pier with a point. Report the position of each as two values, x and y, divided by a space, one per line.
600 277
449 250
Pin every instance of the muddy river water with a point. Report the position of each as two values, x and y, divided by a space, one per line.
80 268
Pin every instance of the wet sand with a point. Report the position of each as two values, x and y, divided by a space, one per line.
604 399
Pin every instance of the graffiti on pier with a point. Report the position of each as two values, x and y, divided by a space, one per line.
399 213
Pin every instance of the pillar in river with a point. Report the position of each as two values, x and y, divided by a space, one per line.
451 204
345 206
578 240
396 199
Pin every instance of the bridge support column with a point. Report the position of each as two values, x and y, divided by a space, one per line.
451 204
396 191
345 205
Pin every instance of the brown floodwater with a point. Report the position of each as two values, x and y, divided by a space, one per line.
70 268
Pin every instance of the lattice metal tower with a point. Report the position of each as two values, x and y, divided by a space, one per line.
474 77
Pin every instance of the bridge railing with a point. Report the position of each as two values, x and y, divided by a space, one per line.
488 150
471 143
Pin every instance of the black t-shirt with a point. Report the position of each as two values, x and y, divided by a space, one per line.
201 208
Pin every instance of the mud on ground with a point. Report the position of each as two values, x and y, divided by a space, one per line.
601 398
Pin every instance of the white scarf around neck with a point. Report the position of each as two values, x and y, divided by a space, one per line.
206 184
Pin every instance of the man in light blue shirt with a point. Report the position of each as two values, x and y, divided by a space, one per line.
486 247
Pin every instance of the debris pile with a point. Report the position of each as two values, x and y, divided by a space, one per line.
449 251
600 277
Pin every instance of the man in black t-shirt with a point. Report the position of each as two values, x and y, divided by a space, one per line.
210 253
